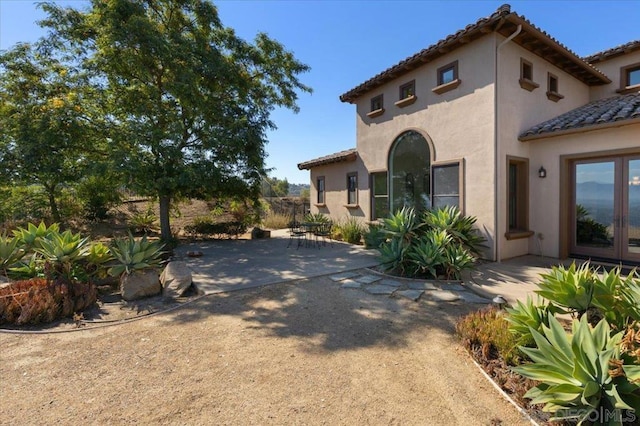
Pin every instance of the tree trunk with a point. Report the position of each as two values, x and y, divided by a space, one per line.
165 226
51 193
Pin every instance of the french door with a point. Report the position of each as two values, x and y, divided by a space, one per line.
606 216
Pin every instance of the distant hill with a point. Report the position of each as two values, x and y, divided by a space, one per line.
295 188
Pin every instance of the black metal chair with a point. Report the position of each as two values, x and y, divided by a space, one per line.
324 231
296 232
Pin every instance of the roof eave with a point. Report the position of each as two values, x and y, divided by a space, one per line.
583 129
308 165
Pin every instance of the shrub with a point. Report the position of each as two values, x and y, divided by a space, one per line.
11 251
23 204
375 236
98 193
316 218
143 222
39 300
349 230
488 332
205 225
276 220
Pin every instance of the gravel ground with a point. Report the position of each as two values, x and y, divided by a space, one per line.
306 352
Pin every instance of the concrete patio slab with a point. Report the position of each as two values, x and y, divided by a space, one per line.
422 286
343 276
228 265
349 283
368 279
410 294
380 289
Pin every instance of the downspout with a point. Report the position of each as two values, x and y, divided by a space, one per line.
497 214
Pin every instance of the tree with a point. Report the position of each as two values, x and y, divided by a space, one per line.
44 120
191 100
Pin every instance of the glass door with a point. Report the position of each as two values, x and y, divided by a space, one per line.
606 217
595 209
631 209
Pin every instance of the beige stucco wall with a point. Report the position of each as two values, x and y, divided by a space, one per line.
611 69
519 110
458 123
336 190
545 193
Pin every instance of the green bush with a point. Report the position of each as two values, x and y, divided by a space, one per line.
316 218
21 204
132 255
143 222
349 230
205 225
375 236
98 193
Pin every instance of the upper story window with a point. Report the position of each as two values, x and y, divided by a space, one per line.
629 78
407 94
526 75
377 106
552 88
352 189
447 78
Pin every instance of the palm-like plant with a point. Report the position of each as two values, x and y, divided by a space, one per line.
527 316
62 252
428 254
461 228
32 235
402 225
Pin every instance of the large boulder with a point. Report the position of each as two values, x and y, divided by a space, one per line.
175 279
140 284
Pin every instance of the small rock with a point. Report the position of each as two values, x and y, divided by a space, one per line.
140 284
176 279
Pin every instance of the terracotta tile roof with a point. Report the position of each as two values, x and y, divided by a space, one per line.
632 46
597 114
347 155
504 22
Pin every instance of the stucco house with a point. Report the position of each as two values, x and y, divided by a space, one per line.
504 121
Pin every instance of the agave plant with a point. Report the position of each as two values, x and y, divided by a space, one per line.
402 225
393 255
375 236
11 251
528 315
571 289
98 256
134 255
461 228
33 267
429 252
316 218
63 252
574 372
457 259
33 235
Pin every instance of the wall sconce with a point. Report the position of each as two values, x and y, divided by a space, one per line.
542 172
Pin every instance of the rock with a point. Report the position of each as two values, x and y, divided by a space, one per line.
140 284
175 279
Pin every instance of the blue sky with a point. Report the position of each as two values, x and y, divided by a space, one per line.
347 42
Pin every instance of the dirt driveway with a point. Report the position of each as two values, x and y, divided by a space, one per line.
306 352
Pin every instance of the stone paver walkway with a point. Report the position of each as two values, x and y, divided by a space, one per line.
438 291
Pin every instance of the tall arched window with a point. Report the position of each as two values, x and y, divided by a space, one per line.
409 172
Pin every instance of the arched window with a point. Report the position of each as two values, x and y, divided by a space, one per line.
409 172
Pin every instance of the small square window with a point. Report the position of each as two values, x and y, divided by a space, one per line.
629 78
448 73
448 78
376 103
408 89
633 77
552 88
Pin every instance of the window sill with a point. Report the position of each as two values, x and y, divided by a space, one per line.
517 234
629 89
352 206
443 88
406 101
375 113
527 84
320 205
554 96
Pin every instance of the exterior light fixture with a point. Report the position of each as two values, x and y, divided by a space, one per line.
542 172
499 301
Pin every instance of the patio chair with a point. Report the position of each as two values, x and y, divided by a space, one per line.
296 232
324 231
